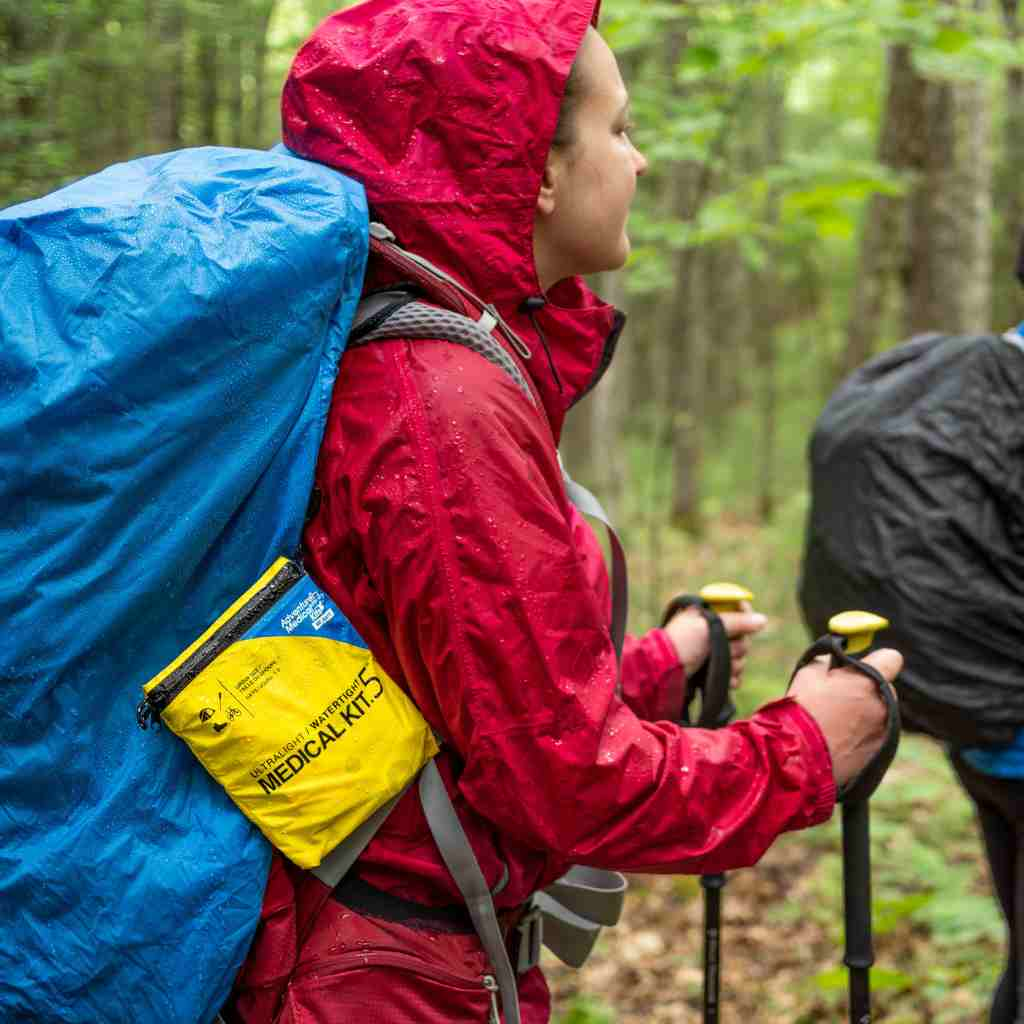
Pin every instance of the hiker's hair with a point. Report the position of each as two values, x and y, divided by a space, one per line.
565 129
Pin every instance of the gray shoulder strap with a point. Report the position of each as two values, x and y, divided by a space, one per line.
420 320
461 862
590 506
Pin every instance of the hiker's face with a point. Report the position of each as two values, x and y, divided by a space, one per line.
589 185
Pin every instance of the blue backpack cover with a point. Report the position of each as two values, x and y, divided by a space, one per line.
170 330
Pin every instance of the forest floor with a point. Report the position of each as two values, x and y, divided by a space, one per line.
939 937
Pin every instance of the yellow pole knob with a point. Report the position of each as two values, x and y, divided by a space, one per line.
725 597
859 628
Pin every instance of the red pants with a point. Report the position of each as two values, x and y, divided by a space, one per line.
357 956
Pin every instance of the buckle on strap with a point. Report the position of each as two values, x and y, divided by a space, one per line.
575 907
529 935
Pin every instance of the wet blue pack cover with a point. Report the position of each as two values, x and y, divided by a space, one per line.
170 329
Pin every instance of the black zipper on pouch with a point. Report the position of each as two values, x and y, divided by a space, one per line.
153 704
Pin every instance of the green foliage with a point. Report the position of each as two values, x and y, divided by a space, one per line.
835 980
585 1011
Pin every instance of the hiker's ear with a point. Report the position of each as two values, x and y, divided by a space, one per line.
546 198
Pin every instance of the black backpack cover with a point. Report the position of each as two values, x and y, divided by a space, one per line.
917 513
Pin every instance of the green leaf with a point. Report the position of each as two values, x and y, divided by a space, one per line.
832 980
892 980
701 57
754 253
586 1011
951 40
887 914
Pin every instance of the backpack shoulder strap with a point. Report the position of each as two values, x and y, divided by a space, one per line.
396 314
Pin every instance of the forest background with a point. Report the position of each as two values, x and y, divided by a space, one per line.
828 178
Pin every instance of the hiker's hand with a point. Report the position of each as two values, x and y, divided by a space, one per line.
847 708
688 631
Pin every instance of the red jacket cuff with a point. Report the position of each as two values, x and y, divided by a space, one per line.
653 680
820 774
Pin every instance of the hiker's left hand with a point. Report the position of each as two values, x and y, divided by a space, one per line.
688 632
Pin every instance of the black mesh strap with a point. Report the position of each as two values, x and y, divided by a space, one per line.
860 788
397 319
712 679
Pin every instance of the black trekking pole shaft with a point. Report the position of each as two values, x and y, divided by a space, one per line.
712 886
857 631
849 638
860 953
717 711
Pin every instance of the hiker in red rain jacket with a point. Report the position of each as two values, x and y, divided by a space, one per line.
445 534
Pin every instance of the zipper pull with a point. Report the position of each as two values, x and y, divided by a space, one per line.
492 986
144 714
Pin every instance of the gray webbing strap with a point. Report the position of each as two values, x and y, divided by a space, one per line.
420 320
595 894
590 506
573 909
570 936
335 865
458 855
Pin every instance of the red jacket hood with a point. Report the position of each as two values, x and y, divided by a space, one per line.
445 111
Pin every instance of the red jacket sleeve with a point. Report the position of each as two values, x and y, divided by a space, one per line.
447 485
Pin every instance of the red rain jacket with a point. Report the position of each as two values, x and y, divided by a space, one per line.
445 533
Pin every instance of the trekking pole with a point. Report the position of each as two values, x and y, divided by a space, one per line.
850 634
712 681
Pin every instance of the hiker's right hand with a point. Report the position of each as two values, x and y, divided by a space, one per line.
847 708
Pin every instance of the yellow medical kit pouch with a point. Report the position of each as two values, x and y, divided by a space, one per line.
286 707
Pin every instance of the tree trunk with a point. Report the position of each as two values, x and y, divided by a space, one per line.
236 74
19 42
884 230
771 303
208 61
973 209
949 266
688 357
680 360
730 303
261 23
166 24
1006 305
